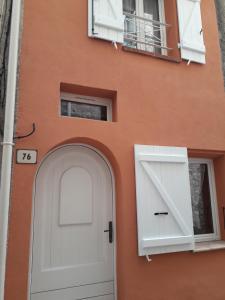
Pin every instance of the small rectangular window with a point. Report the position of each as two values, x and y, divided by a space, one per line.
203 197
86 107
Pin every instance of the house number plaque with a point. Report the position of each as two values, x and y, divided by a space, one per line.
24 156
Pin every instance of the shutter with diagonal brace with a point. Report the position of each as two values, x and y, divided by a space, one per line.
164 212
191 32
106 20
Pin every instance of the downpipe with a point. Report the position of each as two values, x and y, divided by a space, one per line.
7 144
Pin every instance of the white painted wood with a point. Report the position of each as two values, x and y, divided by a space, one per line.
49 296
76 201
70 248
165 197
106 20
146 243
81 292
162 158
162 19
191 32
209 246
162 185
105 297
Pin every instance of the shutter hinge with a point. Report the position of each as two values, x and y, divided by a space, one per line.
93 26
93 22
148 258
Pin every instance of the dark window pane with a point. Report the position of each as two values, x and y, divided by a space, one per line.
201 199
85 110
129 6
151 7
64 108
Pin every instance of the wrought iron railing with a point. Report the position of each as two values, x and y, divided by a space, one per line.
146 34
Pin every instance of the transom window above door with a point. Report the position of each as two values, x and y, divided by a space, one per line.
145 27
86 107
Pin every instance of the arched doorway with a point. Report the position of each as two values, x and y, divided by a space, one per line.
73 243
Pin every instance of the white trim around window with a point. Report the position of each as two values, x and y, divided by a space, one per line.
162 19
89 100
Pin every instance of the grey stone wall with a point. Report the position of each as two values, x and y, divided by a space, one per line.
220 7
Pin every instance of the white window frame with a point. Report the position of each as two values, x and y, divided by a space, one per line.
140 13
89 100
213 197
162 19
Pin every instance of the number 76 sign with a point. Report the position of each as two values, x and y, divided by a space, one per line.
26 156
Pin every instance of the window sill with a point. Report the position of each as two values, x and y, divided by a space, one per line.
164 57
209 246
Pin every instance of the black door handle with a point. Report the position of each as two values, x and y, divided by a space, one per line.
161 213
110 231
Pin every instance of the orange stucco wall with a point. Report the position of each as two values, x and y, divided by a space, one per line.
156 102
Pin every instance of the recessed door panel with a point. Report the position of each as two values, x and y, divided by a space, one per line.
76 197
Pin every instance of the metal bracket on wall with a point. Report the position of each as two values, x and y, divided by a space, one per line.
148 258
28 134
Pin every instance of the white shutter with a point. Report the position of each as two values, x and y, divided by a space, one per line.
106 20
191 32
164 211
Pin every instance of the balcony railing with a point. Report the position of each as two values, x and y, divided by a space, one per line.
146 34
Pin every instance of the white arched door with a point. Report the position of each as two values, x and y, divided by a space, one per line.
73 251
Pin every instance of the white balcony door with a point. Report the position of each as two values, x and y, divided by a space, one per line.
72 256
152 33
145 28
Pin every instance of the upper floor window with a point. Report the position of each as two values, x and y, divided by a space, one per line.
145 27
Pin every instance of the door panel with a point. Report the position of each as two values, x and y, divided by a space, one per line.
81 292
50 297
72 208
